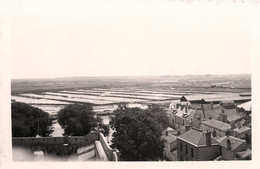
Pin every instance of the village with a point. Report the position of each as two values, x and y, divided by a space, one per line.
202 126
209 129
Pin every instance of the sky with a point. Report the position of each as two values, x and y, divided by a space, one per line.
126 38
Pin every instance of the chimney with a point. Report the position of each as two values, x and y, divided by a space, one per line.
223 117
228 144
198 117
203 111
186 109
228 132
178 130
211 105
166 133
239 125
198 122
222 110
191 122
214 133
208 138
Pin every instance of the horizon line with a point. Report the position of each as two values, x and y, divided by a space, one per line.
116 76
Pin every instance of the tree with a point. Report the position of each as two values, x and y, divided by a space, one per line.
138 133
78 119
28 121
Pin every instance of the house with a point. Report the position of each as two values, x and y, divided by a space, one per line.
219 128
215 98
188 115
228 104
230 146
242 132
191 99
245 108
244 155
180 116
170 148
229 116
196 145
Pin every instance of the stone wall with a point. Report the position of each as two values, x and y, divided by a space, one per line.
209 153
59 145
112 154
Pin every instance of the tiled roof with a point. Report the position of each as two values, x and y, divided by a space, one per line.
232 114
193 113
217 124
233 117
244 154
235 142
215 97
196 138
228 98
212 113
227 102
169 138
242 129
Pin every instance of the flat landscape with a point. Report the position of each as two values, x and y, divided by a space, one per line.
114 90
106 93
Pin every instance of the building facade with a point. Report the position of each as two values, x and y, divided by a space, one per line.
196 145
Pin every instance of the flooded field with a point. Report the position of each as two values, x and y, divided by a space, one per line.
58 131
106 100
37 101
51 109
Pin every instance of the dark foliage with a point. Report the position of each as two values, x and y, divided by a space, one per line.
78 119
26 119
138 133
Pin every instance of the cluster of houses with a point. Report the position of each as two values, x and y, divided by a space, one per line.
209 129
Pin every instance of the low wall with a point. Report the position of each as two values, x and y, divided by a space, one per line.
59 145
112 154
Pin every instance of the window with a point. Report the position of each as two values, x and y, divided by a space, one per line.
192 152
181 147
186 149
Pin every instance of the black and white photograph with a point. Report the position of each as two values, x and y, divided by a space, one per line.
165 81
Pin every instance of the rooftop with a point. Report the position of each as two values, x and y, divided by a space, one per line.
215 97
246 106
235 142
181 112
212 113
242 129
232 114
245 154
196 137
217 124
170 138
